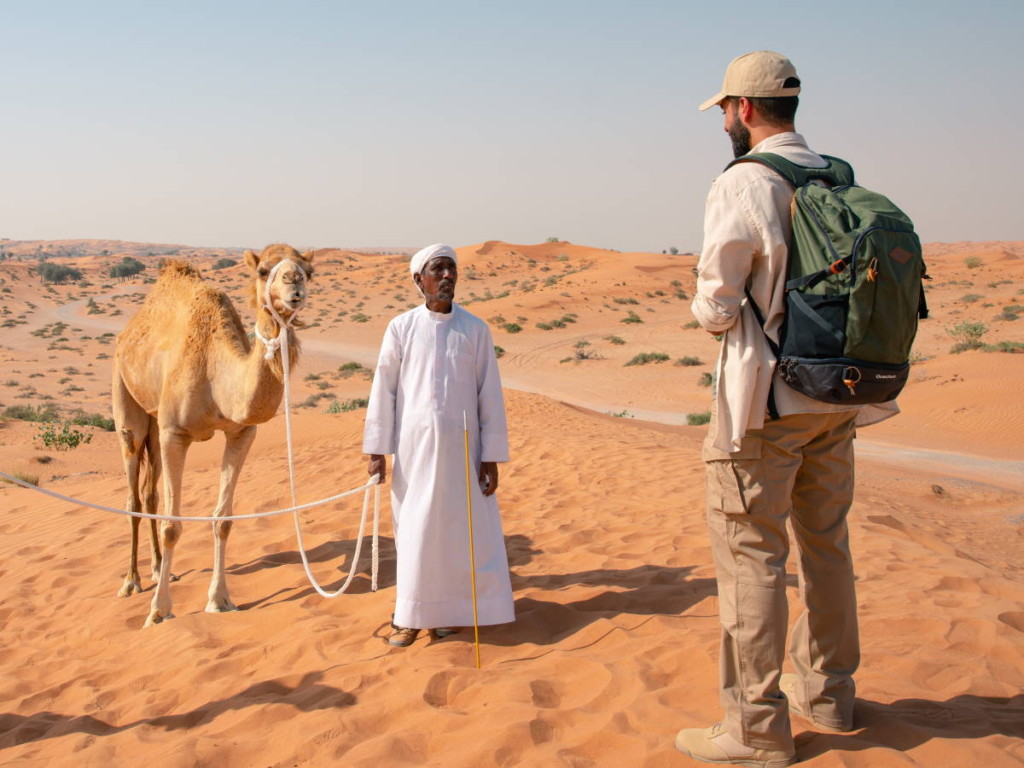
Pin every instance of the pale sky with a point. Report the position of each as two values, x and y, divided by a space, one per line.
397 124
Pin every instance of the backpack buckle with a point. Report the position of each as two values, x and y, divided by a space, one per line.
837 267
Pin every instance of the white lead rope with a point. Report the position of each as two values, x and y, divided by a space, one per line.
365 488
281 343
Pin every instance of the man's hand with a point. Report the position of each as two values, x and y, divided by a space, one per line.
489 477
378 465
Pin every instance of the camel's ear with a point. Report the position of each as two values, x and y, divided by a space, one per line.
252 260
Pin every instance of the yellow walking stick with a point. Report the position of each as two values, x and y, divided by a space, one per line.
472 553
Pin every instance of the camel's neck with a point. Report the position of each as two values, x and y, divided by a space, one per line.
260 397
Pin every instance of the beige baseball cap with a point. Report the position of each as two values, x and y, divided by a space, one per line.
758 74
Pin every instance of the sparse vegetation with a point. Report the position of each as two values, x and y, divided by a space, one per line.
967 335
83 419
23 476
342 406
582 351
648 357
696 419
223 263
973 262
512 327
127 267
632 317
499 352
689 361
691 325
64 437
57 273
46 413
706 379
618 341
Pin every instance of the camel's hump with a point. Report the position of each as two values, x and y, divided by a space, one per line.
177 268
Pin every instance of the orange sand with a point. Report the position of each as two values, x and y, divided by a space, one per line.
615 644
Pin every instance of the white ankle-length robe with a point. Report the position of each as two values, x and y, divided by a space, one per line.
432 368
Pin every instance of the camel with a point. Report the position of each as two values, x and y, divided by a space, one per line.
184 368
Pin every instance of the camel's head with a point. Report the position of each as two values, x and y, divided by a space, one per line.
280 273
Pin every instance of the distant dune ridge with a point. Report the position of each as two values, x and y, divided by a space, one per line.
615 644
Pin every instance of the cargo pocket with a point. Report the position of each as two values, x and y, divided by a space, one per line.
732 478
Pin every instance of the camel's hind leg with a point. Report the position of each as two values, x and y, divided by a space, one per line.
151 496
174 445
236 448
132 424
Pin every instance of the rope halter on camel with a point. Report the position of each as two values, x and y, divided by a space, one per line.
272 345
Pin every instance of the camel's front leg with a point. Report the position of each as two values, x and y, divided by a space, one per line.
236 448
173 447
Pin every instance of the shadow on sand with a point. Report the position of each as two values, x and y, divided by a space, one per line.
307 695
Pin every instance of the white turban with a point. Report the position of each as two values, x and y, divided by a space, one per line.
421 257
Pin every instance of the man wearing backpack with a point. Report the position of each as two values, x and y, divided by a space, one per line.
762 469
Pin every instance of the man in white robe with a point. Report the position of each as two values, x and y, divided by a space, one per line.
436 363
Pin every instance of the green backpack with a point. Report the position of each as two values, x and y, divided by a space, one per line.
854 288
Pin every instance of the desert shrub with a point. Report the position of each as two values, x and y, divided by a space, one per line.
615 340
706 379
223 263
64 437
582 351
648 357
360 318
512 327
689 361
632 317
544 326
970 298
23 476
562 257
691 325
696 419
626 300
621 414
46 413
342 406
312 377
83 419
350 369
498 351
973 262
967 335
1005 346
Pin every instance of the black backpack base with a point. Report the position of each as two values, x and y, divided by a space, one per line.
844 381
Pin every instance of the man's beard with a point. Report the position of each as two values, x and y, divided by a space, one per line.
740 136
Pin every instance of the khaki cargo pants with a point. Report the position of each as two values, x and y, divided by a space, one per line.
798 467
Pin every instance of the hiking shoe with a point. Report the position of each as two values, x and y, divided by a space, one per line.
714 745
788 685
403 637
440 632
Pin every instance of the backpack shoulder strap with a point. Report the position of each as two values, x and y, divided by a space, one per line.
836 173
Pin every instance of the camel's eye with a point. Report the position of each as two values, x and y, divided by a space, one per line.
263 272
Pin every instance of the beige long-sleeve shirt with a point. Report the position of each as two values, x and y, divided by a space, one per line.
747 227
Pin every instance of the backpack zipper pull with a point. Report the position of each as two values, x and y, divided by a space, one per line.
851 379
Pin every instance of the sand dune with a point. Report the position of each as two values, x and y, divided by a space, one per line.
615 642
